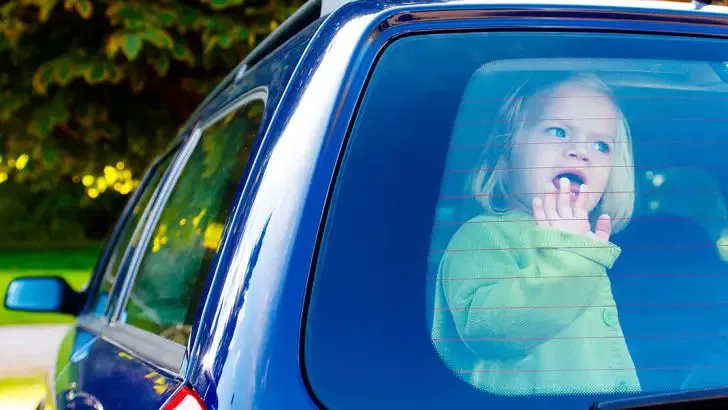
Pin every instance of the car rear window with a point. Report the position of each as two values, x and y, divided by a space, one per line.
527 219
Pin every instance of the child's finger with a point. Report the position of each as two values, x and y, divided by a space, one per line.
539 214
564 201
603 229
549 202
580 203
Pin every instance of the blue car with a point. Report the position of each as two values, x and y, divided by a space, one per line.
426 205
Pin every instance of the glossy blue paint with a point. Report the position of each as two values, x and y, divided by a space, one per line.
245 349
231 284
41 294
99 375
268 265
273 74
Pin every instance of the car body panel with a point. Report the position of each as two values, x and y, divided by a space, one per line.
100 375
276 249
245 351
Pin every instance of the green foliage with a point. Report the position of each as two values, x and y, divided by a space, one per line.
87 84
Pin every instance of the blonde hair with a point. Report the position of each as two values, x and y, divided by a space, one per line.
489 183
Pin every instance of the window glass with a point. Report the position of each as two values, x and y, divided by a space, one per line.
166 291
455 269
129 231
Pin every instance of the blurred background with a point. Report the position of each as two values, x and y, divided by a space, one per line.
90 92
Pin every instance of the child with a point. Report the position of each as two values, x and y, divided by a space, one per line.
523 302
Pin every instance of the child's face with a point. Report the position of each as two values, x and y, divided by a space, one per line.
566 135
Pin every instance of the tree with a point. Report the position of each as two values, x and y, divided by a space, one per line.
92 90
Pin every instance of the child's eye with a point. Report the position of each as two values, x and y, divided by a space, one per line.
602 147
557 132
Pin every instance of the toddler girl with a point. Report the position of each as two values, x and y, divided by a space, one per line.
523 302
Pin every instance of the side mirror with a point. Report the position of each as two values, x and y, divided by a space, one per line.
41 294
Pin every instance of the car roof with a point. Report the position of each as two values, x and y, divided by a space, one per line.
312 10
327 6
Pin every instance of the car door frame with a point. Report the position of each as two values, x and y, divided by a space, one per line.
173 150
156 350
89 320
106 326
274 349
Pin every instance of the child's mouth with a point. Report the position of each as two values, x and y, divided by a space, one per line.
575 181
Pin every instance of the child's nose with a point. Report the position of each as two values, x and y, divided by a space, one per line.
578 151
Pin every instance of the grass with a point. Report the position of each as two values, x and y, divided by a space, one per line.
49 260
21 393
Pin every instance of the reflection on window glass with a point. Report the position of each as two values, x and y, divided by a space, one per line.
527 220
166 292
129 230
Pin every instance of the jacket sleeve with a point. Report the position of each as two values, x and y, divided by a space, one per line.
507 299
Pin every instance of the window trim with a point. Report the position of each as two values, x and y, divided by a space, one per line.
256 94
157 350
152 348
160 201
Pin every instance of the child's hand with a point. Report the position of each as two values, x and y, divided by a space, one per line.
556 211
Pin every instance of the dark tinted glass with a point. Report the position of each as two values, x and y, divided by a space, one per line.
450 273
166 293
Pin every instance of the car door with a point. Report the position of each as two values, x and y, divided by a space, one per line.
129 350
91 371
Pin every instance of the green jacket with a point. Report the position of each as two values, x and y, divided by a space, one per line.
521 309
